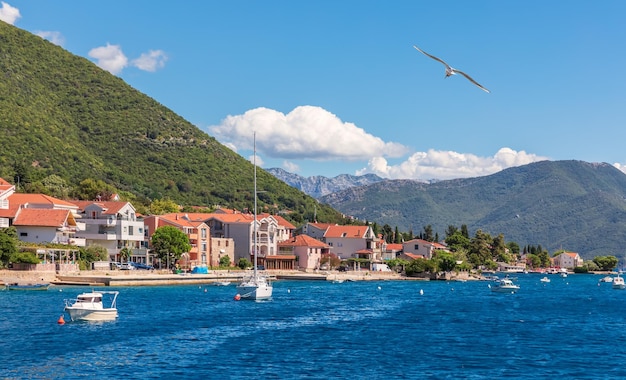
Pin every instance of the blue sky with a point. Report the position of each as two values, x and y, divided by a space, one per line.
336 87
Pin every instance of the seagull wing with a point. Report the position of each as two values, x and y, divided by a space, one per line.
471 80
432 56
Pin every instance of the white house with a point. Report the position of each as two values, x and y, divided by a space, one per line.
422 247
113 225
569 260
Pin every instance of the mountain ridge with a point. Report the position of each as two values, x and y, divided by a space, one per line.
573 205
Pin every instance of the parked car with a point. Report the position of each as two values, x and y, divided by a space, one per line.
142 266
116 265
343 269
127 266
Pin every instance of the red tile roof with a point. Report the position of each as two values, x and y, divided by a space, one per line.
108 207
346 231
303 241
44 217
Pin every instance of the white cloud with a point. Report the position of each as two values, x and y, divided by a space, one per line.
306 132
8 13
259 160
54 37
291 167
441 165
621 167
110 58
151 61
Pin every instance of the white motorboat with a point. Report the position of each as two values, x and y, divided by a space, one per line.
545 279
606 279
222 283
89 307
618 282
505 286
257 287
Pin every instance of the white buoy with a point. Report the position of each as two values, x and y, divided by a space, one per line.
379 288
288 290
421 292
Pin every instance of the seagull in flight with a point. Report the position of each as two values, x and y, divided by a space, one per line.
450 70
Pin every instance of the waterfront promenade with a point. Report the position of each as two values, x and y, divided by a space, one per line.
151 278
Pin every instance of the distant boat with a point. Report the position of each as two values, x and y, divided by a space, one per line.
222 283
505 286
16 286
606 279
545 279
618 283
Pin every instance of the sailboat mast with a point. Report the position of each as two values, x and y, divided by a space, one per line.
254 227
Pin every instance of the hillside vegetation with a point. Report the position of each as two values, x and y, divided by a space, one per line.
571 205
64 116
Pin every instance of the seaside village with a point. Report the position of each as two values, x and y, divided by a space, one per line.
115 225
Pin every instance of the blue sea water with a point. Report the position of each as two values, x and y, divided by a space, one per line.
570 328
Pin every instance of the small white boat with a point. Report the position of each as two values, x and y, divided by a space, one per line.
89 307
505 286
618 283
606 279
222 283
545 279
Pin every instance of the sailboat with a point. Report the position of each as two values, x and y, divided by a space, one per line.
257 287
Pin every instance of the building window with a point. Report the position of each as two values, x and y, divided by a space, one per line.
203 233
416 247
130 230
23 233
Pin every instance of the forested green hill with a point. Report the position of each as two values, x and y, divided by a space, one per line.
61 115
572 205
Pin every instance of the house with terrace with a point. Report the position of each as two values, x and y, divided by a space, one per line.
355 244
113 225
40 218
421 247
198 232
305 251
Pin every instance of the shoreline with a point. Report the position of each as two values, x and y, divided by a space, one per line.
155 278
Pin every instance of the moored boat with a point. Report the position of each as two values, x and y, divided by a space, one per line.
505 286
17 286
89 307
618 283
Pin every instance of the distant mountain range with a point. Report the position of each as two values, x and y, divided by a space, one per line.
318 186
572 205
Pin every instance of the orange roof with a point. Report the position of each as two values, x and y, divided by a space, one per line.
302 241
414 256
108 207
43 217
282 221
346 231
40 199
394 247
4 185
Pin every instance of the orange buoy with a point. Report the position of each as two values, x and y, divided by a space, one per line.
61 321
237 297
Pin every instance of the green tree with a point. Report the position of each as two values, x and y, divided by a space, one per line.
445 261
244 263
25 257
91 189
88 255
8 244
428 233
169 243
125 254
224 262
605 262
163 206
